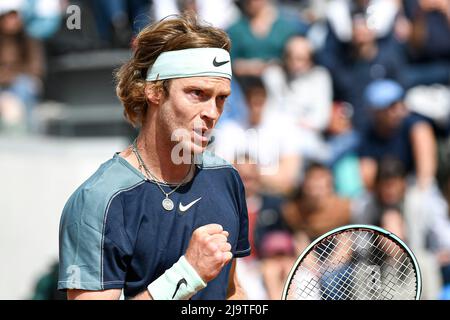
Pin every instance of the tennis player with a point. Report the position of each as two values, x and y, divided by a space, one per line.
163 219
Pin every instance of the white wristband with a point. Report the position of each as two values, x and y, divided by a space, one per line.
180 282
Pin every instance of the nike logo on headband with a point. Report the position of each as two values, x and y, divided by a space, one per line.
218 64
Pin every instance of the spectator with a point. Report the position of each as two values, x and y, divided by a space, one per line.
419 217
300 88
21 67
395 132
341 147
278 256
430 25
264 213
315 208
303 92
259 37
267 136
354 65
428 47
384 207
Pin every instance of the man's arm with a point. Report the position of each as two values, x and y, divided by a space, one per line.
235 291
425 153
111 294
208 252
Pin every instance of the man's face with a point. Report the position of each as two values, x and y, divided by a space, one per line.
191 110
298 56
391 118
11 23
256 100
362 34
318 184
249 173
253 7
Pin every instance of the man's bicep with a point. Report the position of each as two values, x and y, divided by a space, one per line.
111 294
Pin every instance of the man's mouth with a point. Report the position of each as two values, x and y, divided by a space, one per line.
201 134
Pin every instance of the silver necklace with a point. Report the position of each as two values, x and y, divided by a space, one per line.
167 203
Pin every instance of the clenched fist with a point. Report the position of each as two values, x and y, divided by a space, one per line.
208 251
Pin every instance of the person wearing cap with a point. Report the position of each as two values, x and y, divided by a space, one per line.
395 132
163 219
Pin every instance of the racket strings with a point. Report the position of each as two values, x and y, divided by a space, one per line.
355 265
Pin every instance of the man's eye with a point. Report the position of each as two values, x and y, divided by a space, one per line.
197 93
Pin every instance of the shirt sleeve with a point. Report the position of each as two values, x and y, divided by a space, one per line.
94 250
243 244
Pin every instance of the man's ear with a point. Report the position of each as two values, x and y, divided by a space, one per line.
153 94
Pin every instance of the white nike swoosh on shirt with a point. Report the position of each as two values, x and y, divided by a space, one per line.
186 207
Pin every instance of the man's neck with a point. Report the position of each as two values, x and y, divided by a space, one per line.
157 156
156 153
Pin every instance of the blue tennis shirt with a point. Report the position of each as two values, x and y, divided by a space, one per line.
114 232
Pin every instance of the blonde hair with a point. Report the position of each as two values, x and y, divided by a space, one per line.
172 33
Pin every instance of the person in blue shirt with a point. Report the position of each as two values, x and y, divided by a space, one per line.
163 219
394 131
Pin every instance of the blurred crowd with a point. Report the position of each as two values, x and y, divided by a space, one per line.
339 114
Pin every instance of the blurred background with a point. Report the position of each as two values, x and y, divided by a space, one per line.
349 100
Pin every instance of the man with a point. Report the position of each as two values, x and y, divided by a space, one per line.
267 136
396 132
150 221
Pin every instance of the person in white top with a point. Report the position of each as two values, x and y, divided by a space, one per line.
303 91
267 136
299 87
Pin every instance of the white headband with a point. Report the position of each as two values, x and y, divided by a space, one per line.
196 62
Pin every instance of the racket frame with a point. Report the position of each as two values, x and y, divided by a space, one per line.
356 226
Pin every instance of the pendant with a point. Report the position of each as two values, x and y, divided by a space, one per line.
167 204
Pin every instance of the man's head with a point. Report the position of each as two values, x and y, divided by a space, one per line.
10 20
298 55
390 182
253 7
179 76
362 34
385 99
318 182
255 97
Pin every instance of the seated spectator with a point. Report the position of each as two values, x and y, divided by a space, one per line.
315 208
264 215
278 255
300 88
427 42
268 137
419 217
430 29
21 68
395 132
258 37
341 150
384 207
355 64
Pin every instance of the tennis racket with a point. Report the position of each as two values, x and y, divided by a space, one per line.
355 262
